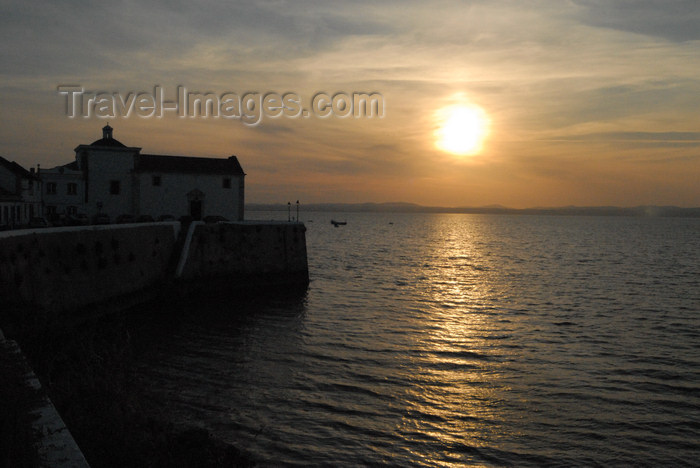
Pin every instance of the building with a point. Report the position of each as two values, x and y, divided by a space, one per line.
20 194
110 178
64 191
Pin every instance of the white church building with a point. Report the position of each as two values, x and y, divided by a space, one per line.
108 177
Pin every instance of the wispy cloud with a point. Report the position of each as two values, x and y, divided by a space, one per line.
674 20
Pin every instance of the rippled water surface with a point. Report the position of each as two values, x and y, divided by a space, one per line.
451 340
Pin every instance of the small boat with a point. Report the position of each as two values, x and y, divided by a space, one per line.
338 223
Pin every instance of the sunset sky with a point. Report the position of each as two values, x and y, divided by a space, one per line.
588 102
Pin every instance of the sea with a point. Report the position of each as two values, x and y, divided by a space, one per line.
445 340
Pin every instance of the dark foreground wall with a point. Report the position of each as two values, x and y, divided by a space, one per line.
32 433
49 277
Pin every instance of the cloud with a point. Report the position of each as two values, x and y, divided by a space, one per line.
673 20
671 137
84 37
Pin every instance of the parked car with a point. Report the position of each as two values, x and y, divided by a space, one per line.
214 219
125 219
79 219
38 222
166 218
145 219
101 218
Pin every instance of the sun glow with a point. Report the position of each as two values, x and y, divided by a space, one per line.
463 129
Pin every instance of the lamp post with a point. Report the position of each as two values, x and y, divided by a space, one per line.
297 211
289 211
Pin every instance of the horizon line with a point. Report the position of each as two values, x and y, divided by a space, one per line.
638 210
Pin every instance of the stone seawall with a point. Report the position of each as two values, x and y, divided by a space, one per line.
61 269
245 252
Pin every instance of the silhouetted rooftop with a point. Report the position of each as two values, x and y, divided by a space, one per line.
16 168
107 139
108 142
187 164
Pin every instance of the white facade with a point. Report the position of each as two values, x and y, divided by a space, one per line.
172 193
118 180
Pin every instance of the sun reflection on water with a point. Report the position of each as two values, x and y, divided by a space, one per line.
455 397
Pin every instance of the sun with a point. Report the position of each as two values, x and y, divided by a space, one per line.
463 129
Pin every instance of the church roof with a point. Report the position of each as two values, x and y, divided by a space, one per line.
163 163
112 142
107 139
188 164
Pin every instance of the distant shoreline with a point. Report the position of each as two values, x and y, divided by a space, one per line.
637 211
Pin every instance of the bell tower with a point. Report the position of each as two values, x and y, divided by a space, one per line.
107 132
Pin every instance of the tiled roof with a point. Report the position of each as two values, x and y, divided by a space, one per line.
187 164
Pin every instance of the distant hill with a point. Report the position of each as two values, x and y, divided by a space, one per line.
400 207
